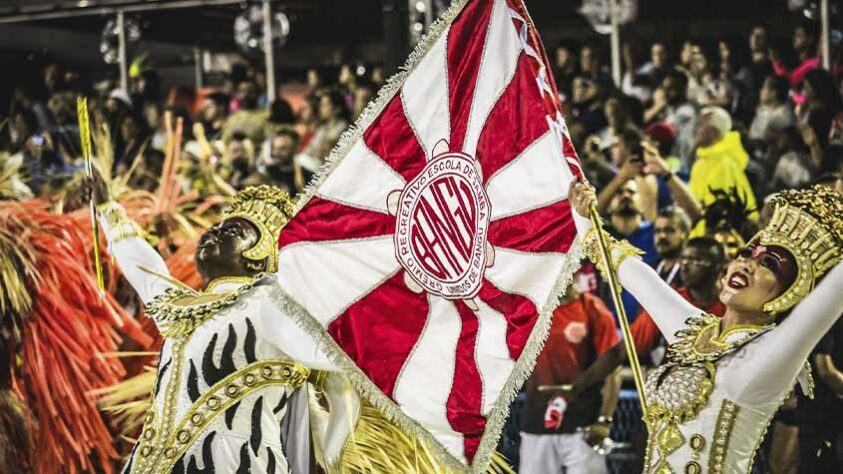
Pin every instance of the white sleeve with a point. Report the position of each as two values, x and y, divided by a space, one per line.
668 308
779 355
280 330
140 263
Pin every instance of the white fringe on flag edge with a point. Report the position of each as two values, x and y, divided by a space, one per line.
523 367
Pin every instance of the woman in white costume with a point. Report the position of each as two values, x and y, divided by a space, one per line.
709 406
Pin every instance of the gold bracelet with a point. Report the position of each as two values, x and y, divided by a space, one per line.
117 220
618 250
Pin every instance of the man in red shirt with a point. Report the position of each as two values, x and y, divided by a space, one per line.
556 433
701 266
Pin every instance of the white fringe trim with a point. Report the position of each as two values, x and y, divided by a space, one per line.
523 367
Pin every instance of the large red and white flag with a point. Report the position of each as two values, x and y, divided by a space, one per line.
434 248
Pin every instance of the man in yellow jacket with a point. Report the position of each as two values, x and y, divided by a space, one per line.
721 159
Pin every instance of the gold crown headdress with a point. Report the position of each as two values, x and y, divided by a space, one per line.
269 209
809 225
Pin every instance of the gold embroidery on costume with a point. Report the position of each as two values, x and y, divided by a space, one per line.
178 312
159 450
678 390
722 435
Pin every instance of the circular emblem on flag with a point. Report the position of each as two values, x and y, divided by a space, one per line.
442 227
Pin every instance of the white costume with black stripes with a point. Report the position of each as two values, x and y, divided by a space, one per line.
226 397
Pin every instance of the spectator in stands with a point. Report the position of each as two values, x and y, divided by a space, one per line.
789 157
558 434
721 159
670 105
671 230
773 105
821 104
754 74
805 43
565 69
238 160
276 165
214 114
247 118
334 119
364 93
627 155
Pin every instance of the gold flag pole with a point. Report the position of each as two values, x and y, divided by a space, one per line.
85 138
615 289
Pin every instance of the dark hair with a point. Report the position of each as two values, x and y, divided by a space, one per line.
631 136
220 99
338 101
811 28
280 111
831 163
822 83
289 132
673 212
780 86
682 79
710 246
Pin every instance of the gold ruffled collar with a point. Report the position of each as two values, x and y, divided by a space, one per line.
179 311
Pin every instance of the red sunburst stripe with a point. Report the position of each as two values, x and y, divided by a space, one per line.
466 39
520 314
519 111
546 229
393 140
464 405
323 220
378 341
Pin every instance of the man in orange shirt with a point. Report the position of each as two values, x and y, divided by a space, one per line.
701 266
554 432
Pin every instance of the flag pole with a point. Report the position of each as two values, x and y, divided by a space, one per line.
85 138
614 288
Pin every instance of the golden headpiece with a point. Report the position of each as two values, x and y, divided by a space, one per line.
269 209
808 224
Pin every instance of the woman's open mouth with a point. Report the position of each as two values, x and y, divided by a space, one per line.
737 281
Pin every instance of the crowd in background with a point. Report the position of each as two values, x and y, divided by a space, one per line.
688 146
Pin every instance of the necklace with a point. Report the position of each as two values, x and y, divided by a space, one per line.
179 311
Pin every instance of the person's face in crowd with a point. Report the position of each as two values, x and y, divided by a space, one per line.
313 79
346 77
377 75
658 55
801 39
281 151
705 134
698 267
758 40
582 90
52 76
619 152
362 96
152 116
307 114
808 92
211 111
731 241
326 108
612 110
129 129
247 92
21 131
220 249
563 57
626 202
588 61
724 51
688 49
699 64
237 151
767 94
673 90
757 276
669 236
